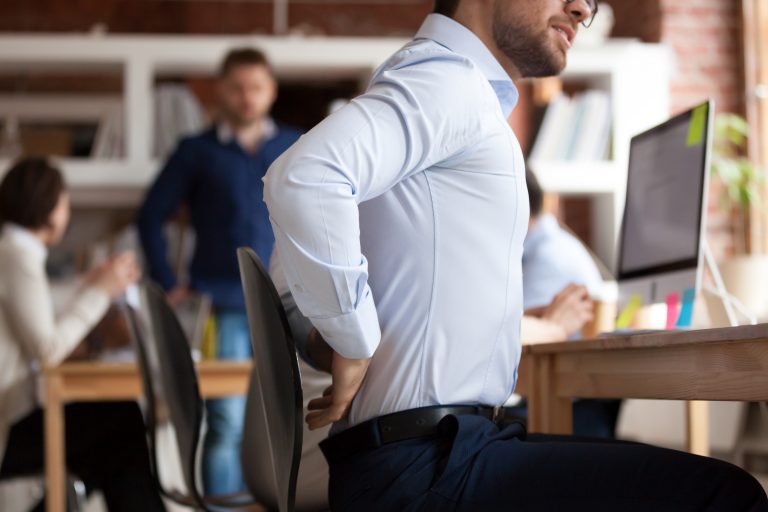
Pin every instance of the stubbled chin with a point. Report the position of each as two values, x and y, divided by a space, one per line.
559 52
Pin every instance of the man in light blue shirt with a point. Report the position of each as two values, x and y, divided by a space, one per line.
409 196
400 222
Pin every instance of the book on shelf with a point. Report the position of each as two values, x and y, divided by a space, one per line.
178 113
575 128
108 142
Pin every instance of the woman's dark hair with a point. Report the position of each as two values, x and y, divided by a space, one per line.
29 193
446 7
535 194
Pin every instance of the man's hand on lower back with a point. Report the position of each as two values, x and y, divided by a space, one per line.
348 375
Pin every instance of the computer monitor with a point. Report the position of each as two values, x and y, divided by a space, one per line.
661 245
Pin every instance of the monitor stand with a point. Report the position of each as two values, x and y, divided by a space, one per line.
731 303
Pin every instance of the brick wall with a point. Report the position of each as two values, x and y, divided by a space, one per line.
637 19
706 38
401 17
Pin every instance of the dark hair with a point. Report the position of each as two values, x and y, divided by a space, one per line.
446 7
535 194
243 57
29 193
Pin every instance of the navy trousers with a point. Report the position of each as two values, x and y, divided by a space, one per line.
473 465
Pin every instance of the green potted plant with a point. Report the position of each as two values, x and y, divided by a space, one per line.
745 274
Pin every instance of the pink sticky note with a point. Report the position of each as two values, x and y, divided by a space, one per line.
673 310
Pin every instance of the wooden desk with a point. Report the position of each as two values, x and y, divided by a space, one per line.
712 364
95 381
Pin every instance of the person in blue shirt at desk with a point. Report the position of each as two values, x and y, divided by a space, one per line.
555 260
218 175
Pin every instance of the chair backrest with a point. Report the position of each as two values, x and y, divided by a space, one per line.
193 314
151 394
172 379
272 436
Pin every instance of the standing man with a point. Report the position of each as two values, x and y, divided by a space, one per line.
218 175
406 256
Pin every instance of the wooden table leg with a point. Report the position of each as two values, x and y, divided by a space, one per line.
547 412
697 424
55 466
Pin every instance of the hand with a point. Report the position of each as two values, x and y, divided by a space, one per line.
570 309
116 274
348 375
178 295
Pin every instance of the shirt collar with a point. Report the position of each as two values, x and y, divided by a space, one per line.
23 237
458 38
226 135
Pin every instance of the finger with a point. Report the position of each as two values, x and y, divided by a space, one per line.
572 293
313 416
584 316
324 418
580 292
314 420
320 403
318 420
328 391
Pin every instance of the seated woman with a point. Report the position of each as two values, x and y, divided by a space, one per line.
105 442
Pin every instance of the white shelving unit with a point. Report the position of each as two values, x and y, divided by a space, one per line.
636 75
141 60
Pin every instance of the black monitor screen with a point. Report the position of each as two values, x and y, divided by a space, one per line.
665 190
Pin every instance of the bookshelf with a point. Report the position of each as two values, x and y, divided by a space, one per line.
141 61
636 76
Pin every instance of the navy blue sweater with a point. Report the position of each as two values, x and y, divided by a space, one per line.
221 185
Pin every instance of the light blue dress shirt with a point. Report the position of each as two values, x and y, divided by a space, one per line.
400 222
552 259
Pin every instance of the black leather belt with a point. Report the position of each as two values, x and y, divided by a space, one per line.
398 426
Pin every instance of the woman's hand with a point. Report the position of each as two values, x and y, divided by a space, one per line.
115 274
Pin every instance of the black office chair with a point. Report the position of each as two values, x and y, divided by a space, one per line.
272 438
171 389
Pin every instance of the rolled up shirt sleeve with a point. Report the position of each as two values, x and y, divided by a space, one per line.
402 125
300 325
